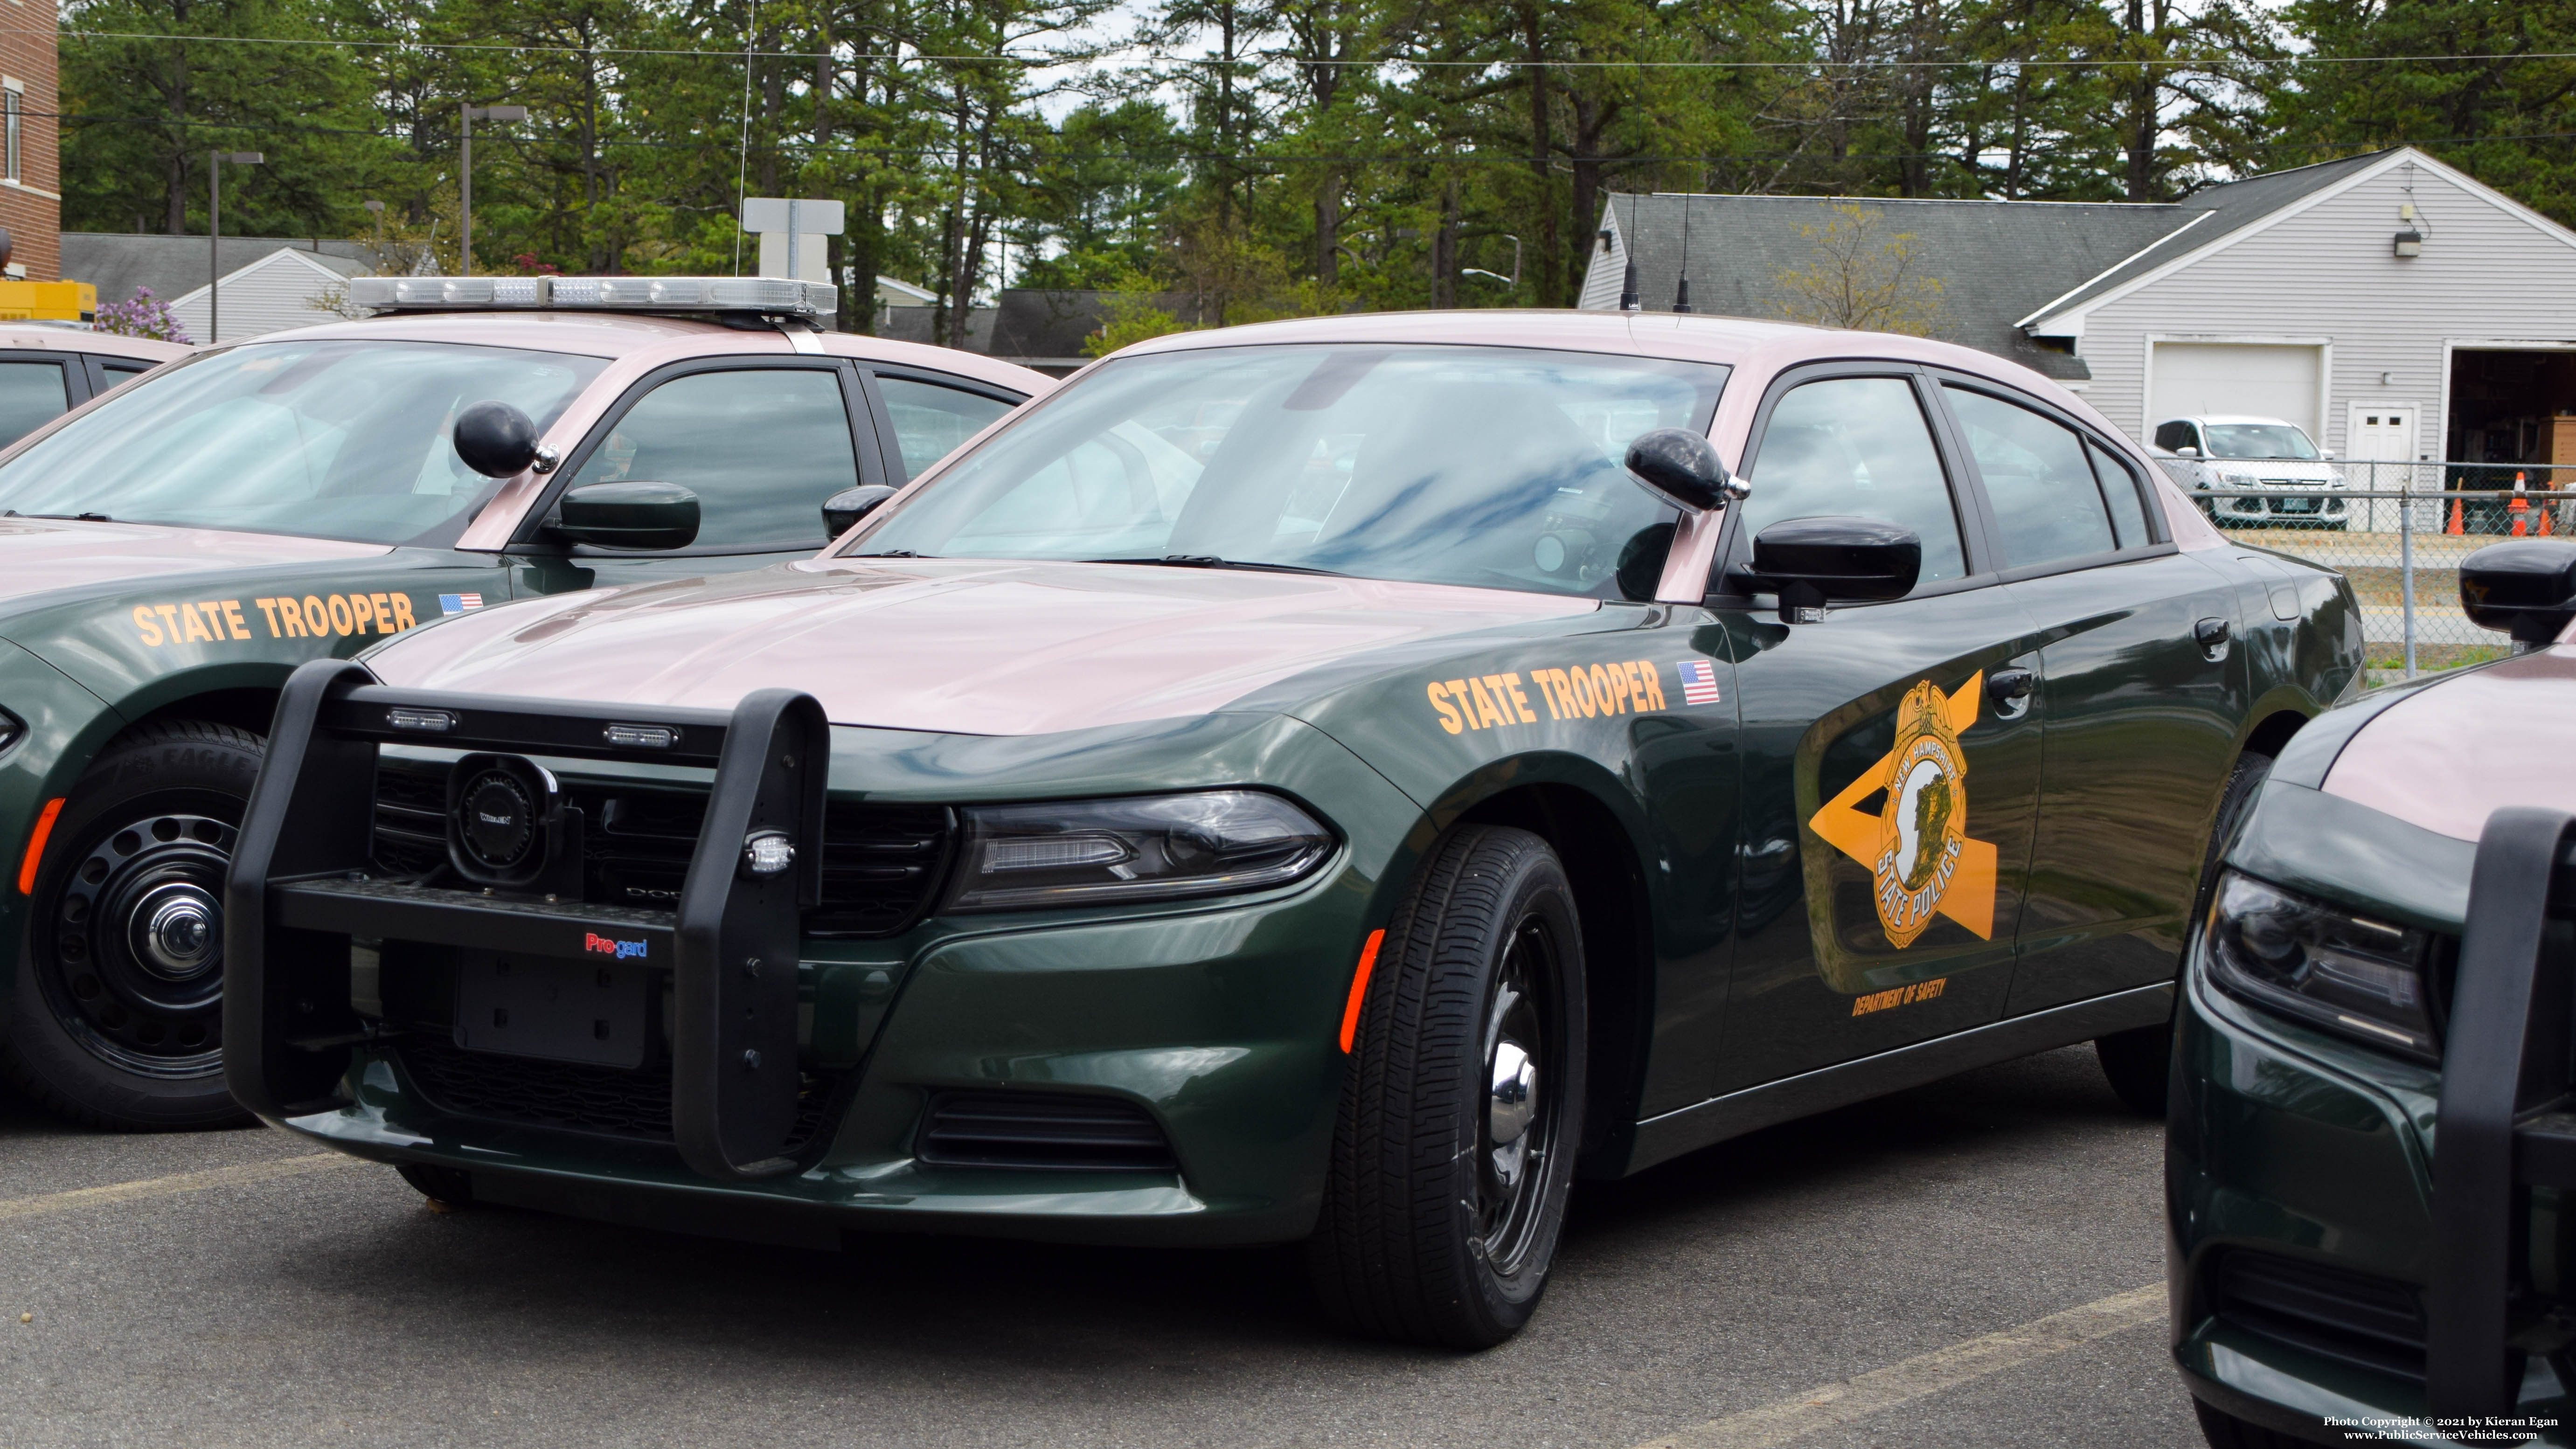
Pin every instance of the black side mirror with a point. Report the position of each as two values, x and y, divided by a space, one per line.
1682 468
1812 562
495 439
629 514
2526 588
843 510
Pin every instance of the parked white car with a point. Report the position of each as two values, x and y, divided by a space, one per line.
2258 455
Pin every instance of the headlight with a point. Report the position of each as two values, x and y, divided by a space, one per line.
2359 978
1150 848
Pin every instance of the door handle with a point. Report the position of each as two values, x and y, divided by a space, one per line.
2210 632
2010 689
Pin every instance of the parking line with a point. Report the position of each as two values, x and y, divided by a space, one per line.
1879 1390
63 1202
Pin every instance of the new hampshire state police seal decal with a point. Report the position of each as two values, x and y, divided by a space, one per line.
1923 827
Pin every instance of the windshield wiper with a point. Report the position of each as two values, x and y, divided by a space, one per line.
889 553
1211 561
69 517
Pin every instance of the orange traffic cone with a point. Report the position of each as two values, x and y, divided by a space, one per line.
2519 508
2455 528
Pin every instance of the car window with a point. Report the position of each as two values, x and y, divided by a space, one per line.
2175 434
31 394
2047 504
1494 467
1856 447
336 438
761 447
2120 490
930 420
118 372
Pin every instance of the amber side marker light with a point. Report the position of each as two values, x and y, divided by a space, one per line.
54 807
1350 1012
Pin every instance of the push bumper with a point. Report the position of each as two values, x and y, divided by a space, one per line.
1211 1023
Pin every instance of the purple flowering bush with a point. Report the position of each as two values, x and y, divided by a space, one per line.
143 315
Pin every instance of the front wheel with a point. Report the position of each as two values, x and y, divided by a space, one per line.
118 1016
1453 1152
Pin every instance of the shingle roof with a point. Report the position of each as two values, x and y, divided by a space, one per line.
1998 262
2218 210
118 262
1995 260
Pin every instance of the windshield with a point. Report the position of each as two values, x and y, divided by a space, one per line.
2258 440
1485 466
338 439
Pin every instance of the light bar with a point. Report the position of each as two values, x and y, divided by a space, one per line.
770 295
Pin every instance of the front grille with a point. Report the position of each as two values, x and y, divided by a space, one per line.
2374 1323
1042 1130
882 864
572 1096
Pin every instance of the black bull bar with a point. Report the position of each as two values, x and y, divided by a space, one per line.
304 882
2507 1119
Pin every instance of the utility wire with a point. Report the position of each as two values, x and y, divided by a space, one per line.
2202 62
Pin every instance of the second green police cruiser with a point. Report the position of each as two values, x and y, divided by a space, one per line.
1334 781
170 553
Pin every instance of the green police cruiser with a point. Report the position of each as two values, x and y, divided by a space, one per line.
2372 1157
172 551
1330 781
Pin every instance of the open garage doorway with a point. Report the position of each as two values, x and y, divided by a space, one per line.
2513 408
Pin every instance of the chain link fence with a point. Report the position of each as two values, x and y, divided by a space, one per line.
2397 530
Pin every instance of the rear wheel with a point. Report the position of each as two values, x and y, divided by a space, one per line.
447 1188
2226 1431
2139 1063
118 1019
1453 1153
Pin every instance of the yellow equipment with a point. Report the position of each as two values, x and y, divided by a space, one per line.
47 301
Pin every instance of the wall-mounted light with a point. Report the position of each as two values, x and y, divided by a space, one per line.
2409 243
2388 379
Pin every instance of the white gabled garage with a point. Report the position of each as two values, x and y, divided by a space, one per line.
2270 379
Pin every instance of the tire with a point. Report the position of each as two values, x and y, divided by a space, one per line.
121 1028
1445 1196
2226 1431
2139 1063
445 1187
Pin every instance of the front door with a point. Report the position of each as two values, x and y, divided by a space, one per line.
1890 774
761 445
2381 454
2141 713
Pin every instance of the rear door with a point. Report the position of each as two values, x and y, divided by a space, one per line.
1888 798
2141 715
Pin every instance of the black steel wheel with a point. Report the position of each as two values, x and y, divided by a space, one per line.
1453 1150
118 1019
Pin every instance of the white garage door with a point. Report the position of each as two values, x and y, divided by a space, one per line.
2196 378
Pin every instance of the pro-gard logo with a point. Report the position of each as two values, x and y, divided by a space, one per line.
622 950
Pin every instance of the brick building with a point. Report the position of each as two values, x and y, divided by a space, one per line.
31 202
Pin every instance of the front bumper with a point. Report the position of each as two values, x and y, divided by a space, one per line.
1215 1021
2289 508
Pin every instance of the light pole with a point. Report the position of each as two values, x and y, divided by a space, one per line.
215 231
465 177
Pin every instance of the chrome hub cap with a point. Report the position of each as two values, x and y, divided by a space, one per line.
1517 1130
175 926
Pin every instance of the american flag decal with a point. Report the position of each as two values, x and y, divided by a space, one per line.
459 603
1699 681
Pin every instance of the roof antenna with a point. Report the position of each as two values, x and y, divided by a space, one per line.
1681 291
1629 300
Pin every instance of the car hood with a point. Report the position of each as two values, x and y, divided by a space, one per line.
2446 758
966 647
41 555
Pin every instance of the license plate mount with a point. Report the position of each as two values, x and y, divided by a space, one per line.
552 1008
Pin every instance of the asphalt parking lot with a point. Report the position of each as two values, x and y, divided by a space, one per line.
1928 1270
